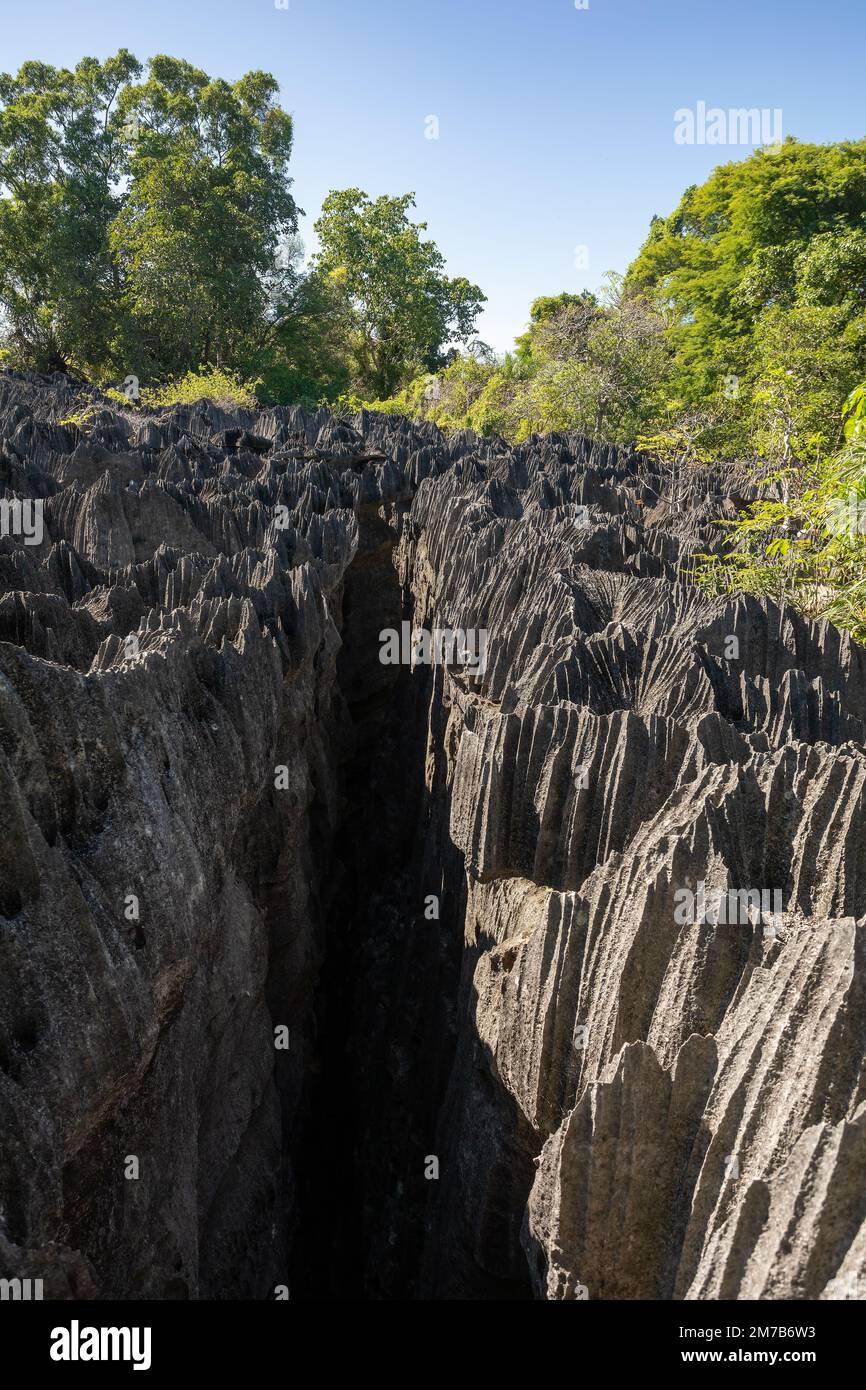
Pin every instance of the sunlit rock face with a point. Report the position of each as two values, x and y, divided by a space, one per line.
337 960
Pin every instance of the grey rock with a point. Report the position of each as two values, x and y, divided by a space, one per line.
622 1104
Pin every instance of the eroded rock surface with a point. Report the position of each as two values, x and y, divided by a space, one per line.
457 889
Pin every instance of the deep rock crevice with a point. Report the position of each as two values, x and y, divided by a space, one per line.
225 816
386 995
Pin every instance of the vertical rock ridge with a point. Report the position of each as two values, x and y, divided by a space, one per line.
457 893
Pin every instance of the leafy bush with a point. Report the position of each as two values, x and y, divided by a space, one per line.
225 388
82 416
807 548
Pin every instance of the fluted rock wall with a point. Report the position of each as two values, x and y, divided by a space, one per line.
194 716
686 1097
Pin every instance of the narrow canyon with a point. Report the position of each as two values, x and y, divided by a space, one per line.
325 976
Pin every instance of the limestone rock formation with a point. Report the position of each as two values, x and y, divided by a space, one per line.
398 980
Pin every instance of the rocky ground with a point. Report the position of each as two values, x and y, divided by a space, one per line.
362 980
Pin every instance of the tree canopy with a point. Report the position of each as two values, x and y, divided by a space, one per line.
739 329
207 208
400 309
764 260
148 226
140 220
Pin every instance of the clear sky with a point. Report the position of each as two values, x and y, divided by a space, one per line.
555 124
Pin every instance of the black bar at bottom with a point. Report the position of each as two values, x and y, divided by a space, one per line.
163 1338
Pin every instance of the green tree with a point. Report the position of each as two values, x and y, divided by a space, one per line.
140 221
583 363
589 364
62 160
805 361
625 357
209 206
306 360
400 310
806 545
747 260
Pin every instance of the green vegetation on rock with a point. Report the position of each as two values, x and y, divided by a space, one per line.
148 228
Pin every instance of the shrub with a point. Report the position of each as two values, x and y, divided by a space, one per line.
225 388
809 548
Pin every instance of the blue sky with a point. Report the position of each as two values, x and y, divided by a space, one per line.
555 124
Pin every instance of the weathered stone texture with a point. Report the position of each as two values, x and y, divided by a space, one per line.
620 1103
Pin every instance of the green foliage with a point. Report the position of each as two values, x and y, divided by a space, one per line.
307 359
806 360
448 398
207 208
218 384
62 161
679 444
855 413
582 364
760 274
83 415
147 225
807 548
140 221
398 308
